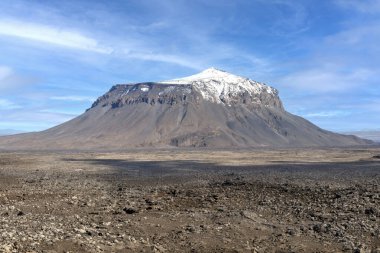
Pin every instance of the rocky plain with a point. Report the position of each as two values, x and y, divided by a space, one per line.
146 200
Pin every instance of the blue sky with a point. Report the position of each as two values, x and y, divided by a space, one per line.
57 57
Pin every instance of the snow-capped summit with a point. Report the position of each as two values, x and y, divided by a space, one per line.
207 75
219 86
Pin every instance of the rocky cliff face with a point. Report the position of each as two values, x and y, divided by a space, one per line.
210 109
211 85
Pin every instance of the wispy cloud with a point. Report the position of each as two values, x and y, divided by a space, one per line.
5 104
34 118
11 81
340 62
293 18
5 76
63 37
73 98
327 114
5 72
362 38
181 60
52 35
371 106
34 115
143 41
323 80
366 6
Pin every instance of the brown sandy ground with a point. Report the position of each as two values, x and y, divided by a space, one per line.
298 200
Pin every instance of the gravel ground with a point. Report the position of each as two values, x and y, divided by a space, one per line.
310 200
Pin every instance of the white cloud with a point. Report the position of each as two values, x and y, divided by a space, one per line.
184 61
343 62
324 80
11 81
139 44
369 106
76 40
37 116
52 35
5 72
327 114
5 104
25 126
366 6
72 39
364 37
290 23
73 98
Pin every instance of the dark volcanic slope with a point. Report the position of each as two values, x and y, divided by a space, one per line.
211 109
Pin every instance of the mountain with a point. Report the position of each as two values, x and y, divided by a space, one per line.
210 109
9 132
373 135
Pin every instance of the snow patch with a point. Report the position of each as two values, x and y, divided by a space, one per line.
219 86
145 89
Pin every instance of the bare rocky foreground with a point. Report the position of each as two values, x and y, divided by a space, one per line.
192 201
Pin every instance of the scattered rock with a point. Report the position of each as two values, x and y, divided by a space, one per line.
267 210
370 211
130 210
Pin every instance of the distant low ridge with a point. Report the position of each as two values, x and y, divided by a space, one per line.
373 135
211 109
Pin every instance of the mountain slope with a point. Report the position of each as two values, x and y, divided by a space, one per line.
210 109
